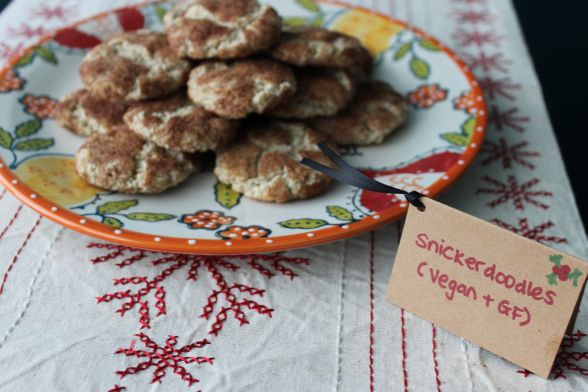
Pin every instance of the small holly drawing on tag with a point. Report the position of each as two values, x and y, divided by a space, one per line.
561 272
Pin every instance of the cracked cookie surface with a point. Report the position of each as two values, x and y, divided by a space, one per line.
84 114
225 29
320 92
315 46
236 89
124 162
178 124
264 164
375 113
132 67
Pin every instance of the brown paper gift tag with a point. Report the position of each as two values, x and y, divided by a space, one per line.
503 292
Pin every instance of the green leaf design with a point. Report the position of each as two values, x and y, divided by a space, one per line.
574 276
318 21
455 138
5 138
420 68
25 60
149 216
461 139
160 11
552 279
28 128
46 54
34 144
113 207
427 44
305 223
340 213
112 222
556 259
226 196
309 5
403 50
469 126
295 21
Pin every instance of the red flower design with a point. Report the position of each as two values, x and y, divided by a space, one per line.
243 232
427 95
466 102
207 220
10 82
39 106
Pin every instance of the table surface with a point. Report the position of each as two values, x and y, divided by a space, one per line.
78 314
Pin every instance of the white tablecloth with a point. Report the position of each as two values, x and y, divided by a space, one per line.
316 320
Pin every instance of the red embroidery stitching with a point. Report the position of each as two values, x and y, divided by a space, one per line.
534 233
164 357
434 339
507 154
58 12
566 360
508 118
403 335
569 360
193 263
511 190
488 63
11 222
495 87
371 340
117 388
469 38
473 17
18 252
26 31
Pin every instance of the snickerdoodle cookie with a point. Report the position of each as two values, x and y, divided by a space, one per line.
376 112
84 114
320 92
203 29
315 46
236 89
264 164
124 162
132 67
178 124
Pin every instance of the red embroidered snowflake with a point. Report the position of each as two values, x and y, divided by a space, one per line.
519 194
495 87
26 31
477 38
488 63
567 360
49 12
507 154
508 118
163 358
535 233
7 52
427 95
117 388
225 299
473 17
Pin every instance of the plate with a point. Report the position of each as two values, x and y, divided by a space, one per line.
447 124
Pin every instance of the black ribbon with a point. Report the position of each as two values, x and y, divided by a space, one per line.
349 175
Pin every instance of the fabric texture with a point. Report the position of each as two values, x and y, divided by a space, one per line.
80 315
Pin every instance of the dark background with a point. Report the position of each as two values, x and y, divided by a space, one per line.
557 36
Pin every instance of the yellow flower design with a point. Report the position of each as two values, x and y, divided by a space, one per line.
55 178
374 31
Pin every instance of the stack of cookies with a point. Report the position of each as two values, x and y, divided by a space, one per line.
227 78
